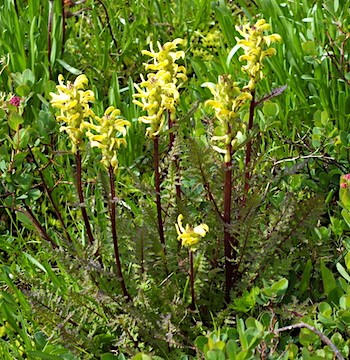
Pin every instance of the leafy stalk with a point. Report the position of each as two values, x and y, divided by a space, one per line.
114 234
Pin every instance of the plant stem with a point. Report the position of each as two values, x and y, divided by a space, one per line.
42 232
114 234
48 193
322 336
158 198
229 241
81 199
193 301
248 151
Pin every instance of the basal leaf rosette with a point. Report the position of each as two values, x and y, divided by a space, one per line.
108 135
189 236
256 48
228 100
73 102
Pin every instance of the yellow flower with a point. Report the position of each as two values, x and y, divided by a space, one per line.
189 236
73 103
110 133
256 47
159 94
227 102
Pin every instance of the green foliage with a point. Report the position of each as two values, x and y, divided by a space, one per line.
60 296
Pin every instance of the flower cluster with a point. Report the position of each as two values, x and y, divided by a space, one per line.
189 236
73 102
256 47
227 102
159 94
109 135
106 133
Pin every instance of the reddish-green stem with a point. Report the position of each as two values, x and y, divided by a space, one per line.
229 241
248 150
114 234
158 198
81 199
193 300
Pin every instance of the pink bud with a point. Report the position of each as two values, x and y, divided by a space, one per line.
343 185
15 101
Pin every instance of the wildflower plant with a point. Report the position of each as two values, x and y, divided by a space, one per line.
158 96
229 100
106 133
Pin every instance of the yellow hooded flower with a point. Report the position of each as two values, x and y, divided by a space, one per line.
110 133
227 102
189 236
159 94
73 103
256 47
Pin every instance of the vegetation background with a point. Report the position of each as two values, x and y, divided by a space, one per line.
61 297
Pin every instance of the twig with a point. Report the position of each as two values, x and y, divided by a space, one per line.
322 336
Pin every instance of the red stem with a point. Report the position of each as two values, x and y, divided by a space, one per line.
81 199
158 198
114 234
193 301
248 151
229 241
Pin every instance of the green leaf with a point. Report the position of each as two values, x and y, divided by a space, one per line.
109 357
200 342
327 278
305 279
25 220
14 120
23 90
231 349
347 260
215 354
69 68
343 272
42 355
34 261
141 356
270 109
